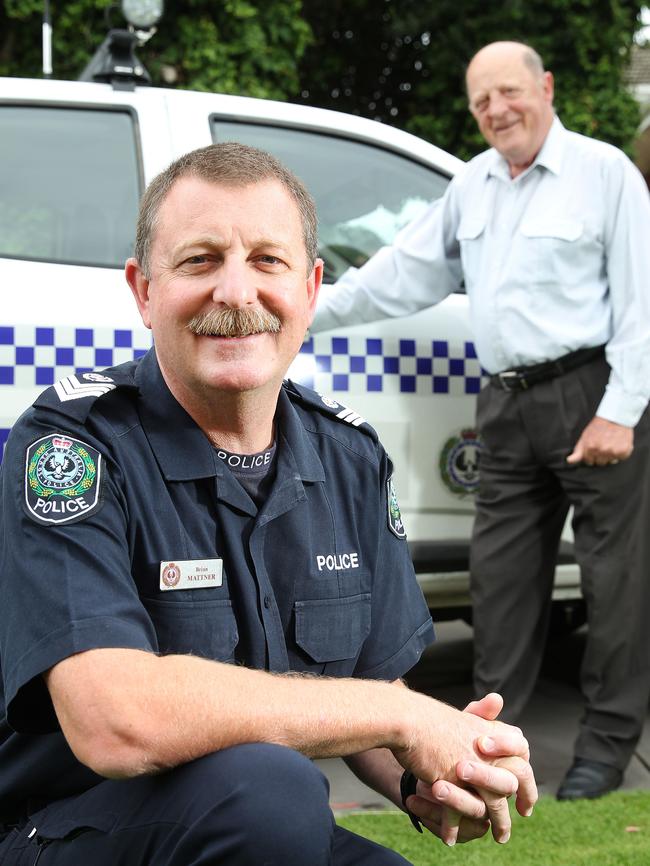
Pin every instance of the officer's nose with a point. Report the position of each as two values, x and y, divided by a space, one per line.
235 284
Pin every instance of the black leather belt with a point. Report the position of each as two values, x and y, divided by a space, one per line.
521 378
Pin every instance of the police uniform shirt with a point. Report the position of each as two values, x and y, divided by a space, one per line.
123 528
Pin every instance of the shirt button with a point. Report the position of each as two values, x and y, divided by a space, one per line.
267 602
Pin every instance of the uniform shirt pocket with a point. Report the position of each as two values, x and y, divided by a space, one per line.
206 628
332 629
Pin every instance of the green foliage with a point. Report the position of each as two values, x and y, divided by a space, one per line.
405 64
614 831
399 61
249 47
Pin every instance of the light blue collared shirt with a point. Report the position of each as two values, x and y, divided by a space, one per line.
554 260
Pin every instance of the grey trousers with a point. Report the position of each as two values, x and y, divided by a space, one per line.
525 492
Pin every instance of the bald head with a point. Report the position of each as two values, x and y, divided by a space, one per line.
511 98
499 51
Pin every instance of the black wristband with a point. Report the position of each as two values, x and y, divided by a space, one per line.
407 785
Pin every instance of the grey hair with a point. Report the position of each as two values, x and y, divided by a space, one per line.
533 60
229 164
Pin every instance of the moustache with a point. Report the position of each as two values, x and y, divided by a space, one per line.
231 322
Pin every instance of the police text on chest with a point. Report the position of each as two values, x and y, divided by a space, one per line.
337 561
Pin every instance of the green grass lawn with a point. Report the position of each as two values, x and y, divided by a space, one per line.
613 831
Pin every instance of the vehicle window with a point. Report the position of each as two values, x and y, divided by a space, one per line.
364 194
69 185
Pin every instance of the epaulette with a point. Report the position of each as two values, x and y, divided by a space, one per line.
75 395
329 407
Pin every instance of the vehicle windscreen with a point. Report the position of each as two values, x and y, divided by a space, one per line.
364 194
69 185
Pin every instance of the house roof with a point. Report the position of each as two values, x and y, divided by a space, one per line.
639 69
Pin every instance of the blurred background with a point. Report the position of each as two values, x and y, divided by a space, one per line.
398 61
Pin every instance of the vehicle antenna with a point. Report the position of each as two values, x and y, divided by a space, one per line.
47 40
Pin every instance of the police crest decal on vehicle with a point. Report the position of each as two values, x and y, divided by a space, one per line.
459 462
395 522
62 479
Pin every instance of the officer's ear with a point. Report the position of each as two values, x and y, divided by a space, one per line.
139 284
314 282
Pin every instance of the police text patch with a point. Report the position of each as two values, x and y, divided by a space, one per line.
62 479
395 522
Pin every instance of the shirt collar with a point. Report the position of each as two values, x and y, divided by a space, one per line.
183 450
549 157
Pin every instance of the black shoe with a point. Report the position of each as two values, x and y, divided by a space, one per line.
587 780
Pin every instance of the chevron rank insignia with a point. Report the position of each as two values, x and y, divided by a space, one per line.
344 414
88 385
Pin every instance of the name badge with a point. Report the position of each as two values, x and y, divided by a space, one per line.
191 574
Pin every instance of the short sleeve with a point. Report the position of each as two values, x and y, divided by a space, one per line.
66 586
401 624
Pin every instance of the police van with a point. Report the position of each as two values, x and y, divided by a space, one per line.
75 157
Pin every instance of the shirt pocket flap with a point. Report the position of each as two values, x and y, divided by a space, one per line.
206 628
560 229
332 629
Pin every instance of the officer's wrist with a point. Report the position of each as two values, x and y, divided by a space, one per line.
407 787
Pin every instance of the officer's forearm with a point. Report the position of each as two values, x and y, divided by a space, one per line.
126 712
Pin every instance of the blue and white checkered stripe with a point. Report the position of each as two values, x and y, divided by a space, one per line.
32 356
38 357
359 365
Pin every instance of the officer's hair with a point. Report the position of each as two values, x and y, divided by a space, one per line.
230 164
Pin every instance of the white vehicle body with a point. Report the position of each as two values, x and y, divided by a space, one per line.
67 307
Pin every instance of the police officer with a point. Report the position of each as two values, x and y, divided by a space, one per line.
206 580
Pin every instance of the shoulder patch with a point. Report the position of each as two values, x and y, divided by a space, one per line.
63 479
331 407
395 522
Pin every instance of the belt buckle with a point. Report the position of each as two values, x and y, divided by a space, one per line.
511 380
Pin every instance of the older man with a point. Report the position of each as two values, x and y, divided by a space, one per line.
204 585
549 231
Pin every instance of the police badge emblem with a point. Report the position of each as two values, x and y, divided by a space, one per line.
62 479
170 575
459 462
395 522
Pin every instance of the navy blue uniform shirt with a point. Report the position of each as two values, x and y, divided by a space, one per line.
109 490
